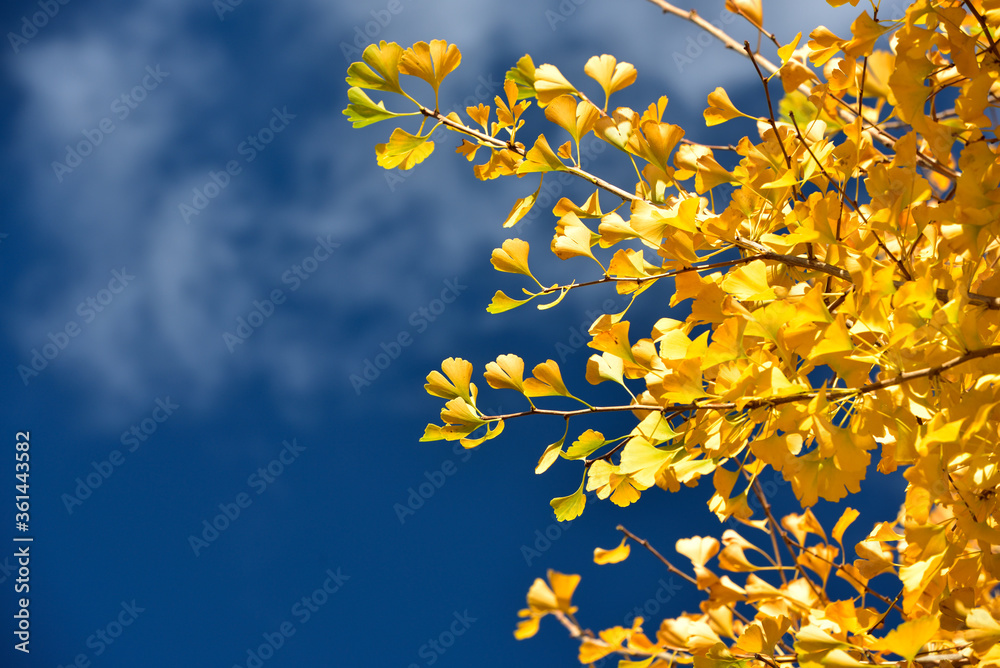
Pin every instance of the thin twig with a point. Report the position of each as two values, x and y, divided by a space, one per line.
770 108
879 133
760 402
645 543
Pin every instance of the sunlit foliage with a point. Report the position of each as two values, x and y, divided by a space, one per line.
843 305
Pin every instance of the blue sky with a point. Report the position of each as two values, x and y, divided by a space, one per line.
199 252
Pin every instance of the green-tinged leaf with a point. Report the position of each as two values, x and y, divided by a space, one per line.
551 453
656 429
589 442
523 74
380 71
642 461
569 507
364 111
522 206
490 433
554 302
502 302
433 432
403 150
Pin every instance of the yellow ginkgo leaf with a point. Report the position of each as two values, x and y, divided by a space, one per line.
501 302
749 282
480 114
610 74
550 83
846 518
506 373
614 341
588 443
720 109
699 549
468 149
573 238
614 555
570 507
523 76
457 384
469 442
551 453
547 381
610 482
605 366
430 62
403 150
512 257
364 111
590 209
908 638
617 128
751 10
541 598
521 207
380 69
577 118
540 158
642 461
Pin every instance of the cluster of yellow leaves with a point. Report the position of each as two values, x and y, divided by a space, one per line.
843 302
796 617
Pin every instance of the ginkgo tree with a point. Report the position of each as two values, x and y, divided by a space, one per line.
843 303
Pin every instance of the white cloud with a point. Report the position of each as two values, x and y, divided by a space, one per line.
120 206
